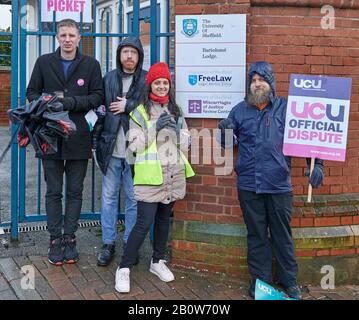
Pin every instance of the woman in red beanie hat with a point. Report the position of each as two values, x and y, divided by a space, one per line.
159 137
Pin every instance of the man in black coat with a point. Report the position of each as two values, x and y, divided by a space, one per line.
77 79
124 88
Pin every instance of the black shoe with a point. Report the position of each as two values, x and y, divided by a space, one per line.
137 261
252 289
106 255
294 292
70 253
55 253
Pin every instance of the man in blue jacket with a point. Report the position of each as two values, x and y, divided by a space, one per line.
264 178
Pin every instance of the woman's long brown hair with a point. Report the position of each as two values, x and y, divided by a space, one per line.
173 107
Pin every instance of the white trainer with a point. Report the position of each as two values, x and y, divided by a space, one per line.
122 280
162 271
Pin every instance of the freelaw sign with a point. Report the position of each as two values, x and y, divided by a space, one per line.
66 9
317 117
192 79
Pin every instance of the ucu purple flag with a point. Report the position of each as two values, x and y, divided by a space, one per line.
317 117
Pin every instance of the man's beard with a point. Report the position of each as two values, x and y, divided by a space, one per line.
129 66
259 98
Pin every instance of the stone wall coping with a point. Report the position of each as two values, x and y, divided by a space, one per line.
328 200
205 229
306 3
4 69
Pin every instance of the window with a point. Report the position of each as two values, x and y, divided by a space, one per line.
106 42
5 49
5 38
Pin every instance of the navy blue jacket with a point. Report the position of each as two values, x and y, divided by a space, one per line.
261 165
107 128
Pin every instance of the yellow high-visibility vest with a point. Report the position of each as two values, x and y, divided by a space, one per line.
148 170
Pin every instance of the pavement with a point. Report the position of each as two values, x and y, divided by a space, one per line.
85 280
25 274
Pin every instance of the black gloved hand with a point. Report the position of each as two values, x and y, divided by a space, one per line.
173 125
317 175
226 124
68 103
162 121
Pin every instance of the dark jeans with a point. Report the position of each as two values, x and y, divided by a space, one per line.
75 172
146 214
273 211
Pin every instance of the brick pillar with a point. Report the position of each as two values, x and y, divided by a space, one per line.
208 229
5 96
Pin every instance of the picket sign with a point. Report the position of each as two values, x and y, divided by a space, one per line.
317 119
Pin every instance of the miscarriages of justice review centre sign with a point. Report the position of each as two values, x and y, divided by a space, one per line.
210 63
66 9
317 117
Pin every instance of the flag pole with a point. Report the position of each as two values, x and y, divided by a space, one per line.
310 188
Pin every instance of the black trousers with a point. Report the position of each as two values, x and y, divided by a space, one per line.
147 213
75 172
269 211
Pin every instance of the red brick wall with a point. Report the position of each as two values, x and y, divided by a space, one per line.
288 34
210 198
291 39
5 96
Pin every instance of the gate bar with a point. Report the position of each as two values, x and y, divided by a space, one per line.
22 156
136 18
153 31
14 95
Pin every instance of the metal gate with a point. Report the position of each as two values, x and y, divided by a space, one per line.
32 37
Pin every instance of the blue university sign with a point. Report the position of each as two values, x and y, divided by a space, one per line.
189 27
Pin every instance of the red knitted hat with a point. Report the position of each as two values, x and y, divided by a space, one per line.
158 70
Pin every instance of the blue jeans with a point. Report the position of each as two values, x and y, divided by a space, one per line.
118 171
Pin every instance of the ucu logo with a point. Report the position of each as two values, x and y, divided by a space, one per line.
308 84
264 288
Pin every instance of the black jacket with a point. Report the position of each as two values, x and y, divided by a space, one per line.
106 129
82 91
